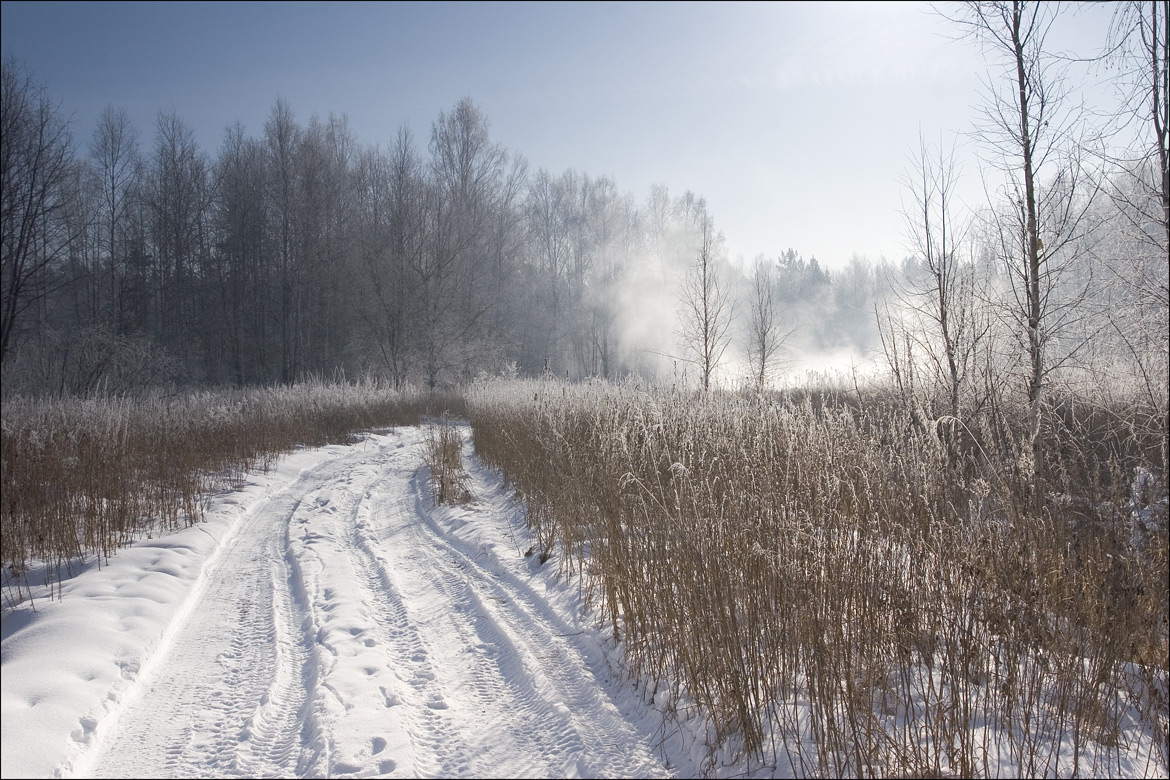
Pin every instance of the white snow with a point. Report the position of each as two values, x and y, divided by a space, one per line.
326 619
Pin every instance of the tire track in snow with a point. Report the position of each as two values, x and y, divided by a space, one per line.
526 693
522 733
438 748
271 741
382 662
229 697
347 630
419 630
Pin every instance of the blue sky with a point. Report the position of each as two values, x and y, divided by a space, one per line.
794 120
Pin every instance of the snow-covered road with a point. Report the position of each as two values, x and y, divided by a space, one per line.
327 620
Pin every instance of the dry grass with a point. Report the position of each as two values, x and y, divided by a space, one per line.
835 580
844 587
444 460
86 477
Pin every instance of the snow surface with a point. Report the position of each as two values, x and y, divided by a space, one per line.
326 619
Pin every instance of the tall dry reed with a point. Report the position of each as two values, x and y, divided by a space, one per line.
852 587
86 477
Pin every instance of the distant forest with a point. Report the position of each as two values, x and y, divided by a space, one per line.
132 261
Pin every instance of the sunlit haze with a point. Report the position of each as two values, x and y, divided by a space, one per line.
794 120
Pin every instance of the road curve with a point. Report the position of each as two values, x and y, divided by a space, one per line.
351 628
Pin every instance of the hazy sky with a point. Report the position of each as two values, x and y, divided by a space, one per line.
794 120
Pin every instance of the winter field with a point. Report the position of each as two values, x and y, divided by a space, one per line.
325 619
587 580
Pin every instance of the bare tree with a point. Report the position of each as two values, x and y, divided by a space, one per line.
35 162
391 242
468 173
582 233
324 165
114 152
1140 190
767 331
897 345
657 221
1141 37
613 219
942 295
282 137
1140 195
547 216
241 237
706 313
1029 132
505 240
81 270
179 200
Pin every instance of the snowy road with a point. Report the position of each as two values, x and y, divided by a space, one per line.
345 626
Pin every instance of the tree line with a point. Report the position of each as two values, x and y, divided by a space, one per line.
302 251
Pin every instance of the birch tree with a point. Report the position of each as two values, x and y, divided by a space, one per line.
943 295
767 330
706 308
1029 131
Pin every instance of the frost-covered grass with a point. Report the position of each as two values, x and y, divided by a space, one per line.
832 582
86 477
846 587
444 459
